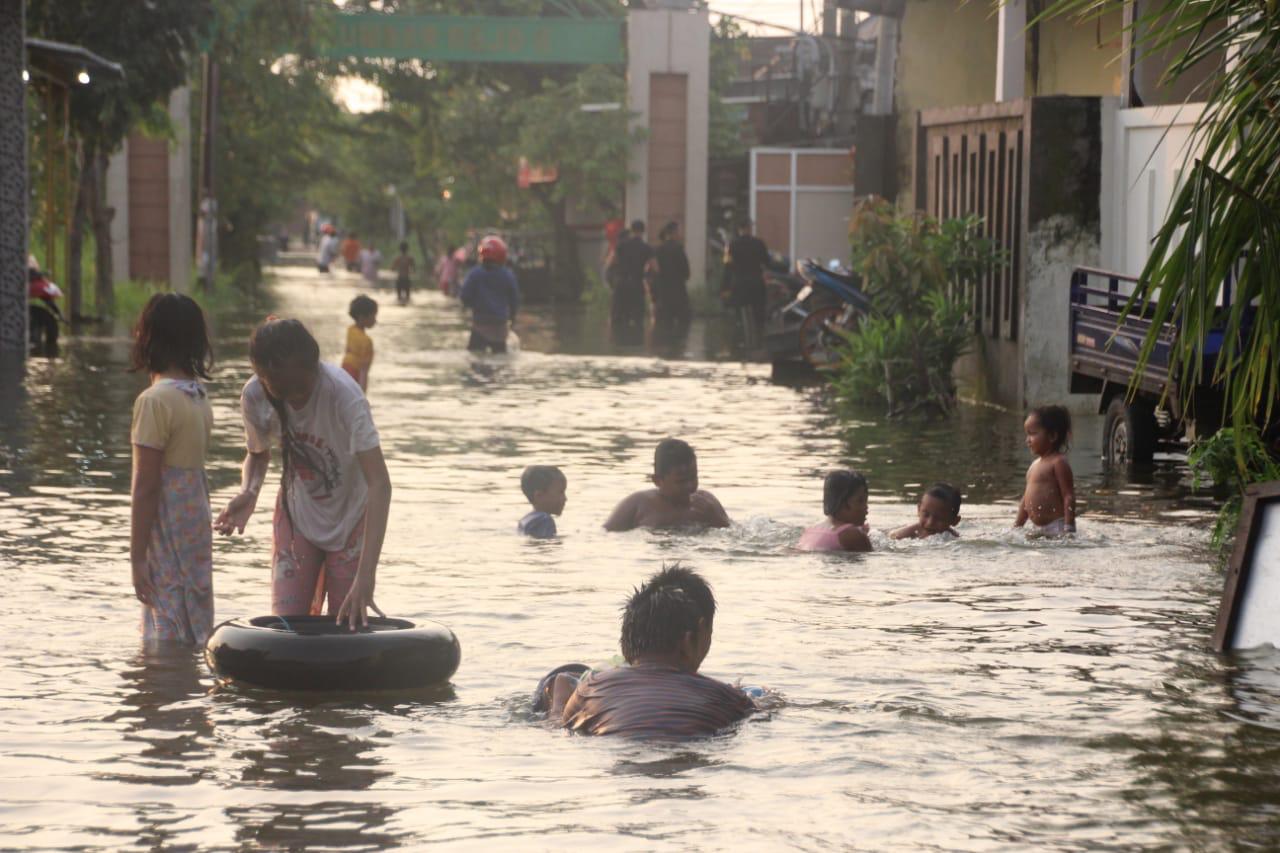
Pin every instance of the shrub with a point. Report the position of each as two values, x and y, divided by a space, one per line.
917 273
1232 459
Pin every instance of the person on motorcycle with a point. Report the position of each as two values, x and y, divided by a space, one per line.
42 299
492 293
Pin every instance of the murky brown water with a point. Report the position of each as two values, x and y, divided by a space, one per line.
988 693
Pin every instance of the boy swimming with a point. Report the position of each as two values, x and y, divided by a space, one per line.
1049 500
666 634
676 501
544 486
938 512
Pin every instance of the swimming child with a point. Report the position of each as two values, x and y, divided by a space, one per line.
403 267
544 486
938 512
844 500
676 501
358 357
492 293
666 634
1049 501
335 493
170 542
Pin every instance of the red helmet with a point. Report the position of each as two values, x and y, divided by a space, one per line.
493 250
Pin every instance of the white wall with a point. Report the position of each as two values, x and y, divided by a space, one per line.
672 42
1148 150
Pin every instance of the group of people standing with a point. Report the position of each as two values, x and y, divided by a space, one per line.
633 268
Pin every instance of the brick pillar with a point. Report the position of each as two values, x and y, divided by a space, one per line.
13 185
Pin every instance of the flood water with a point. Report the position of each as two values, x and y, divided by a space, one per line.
980 694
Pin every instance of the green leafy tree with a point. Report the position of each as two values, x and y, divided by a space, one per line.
1224 222
154 42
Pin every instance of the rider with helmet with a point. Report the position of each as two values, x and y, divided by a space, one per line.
491 292
42 299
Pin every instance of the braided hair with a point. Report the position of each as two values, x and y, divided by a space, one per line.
275 344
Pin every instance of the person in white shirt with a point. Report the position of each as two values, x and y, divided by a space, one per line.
335 493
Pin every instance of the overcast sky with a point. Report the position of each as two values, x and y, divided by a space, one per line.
785 12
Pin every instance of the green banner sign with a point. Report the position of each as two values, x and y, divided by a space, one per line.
576 41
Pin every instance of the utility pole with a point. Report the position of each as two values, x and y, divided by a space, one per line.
207 232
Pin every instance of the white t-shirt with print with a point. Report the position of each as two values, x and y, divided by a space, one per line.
327 492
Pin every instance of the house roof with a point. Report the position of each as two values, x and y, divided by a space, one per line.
63 62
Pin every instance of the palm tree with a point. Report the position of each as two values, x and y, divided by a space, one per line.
1224 222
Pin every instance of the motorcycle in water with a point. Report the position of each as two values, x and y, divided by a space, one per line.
44 315
827 307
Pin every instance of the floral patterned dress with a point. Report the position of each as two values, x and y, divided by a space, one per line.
174 416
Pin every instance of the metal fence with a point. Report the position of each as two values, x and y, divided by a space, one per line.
971 161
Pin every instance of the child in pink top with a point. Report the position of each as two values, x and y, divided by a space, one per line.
844 500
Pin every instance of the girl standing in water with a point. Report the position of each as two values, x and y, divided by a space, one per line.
170 542
335 493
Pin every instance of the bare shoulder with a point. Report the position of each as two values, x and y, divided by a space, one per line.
855 539
709 506
625 515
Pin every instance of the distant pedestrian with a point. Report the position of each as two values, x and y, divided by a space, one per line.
403 267
370 260
670 288
493 295
171 540
447 272
328 247
626 276
746 258
351 252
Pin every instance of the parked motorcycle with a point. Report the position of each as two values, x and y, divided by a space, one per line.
828 305
44 316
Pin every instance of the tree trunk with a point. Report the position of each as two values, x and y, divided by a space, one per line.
75 244
569 279
100 215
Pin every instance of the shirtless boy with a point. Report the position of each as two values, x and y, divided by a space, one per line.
937 512
1049 501
676 501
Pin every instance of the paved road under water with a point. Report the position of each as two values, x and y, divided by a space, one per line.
987 693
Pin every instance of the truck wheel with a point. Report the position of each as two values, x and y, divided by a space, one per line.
1129 434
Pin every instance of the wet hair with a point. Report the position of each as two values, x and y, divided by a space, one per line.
362 306
658 614
404 248
275 344
670 453
1055 420
667 230
537 478
944 492
171 334
637 225
838 487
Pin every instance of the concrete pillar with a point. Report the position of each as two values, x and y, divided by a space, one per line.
181 244
13 186
886 62
668 54
118 200
1011 50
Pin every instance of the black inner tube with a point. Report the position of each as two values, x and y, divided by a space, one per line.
319 626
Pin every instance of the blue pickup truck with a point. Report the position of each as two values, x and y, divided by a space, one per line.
1104 358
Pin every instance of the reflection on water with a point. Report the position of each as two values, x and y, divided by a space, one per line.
983 693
